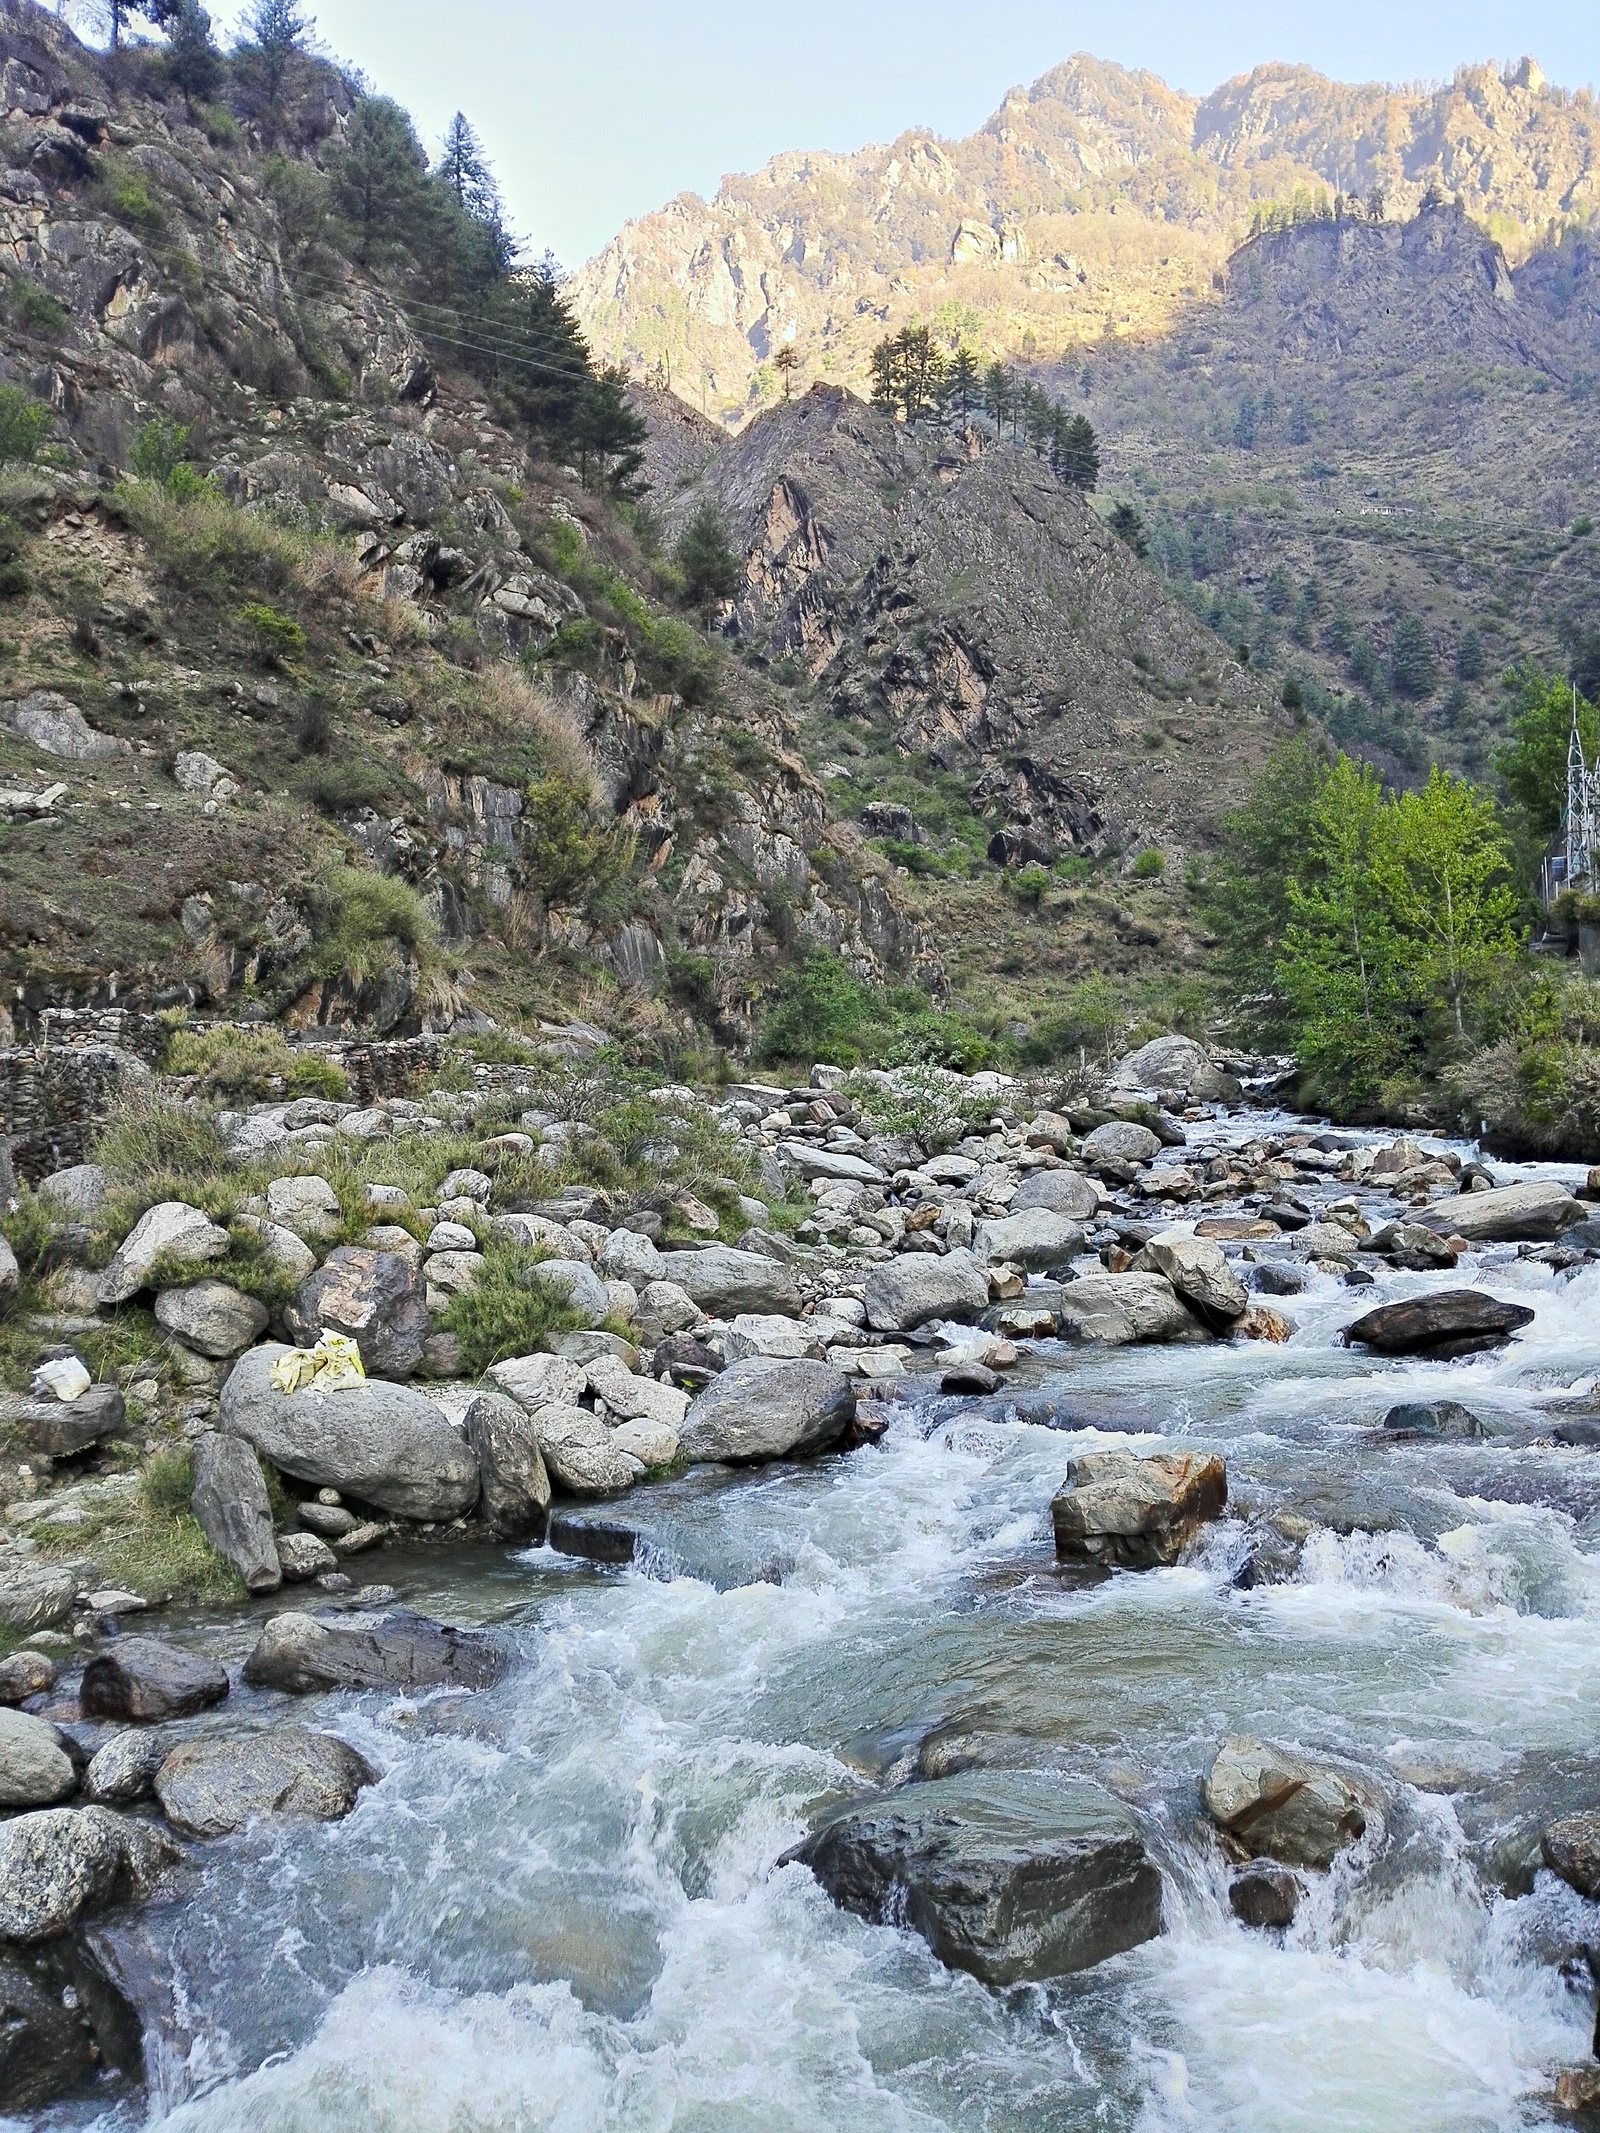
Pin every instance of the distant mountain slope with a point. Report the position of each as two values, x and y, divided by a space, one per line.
1097 202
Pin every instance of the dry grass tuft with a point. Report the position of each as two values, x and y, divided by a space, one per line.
512 701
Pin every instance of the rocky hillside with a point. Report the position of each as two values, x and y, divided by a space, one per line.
1378 430
977 667
1095 204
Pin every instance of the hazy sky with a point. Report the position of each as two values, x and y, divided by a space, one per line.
596 112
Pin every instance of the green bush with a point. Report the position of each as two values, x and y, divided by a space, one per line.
341 786
251 1066
167 1482
278 636
360 919
822 1010
1149 865
507 1311
126 193
570 851
35 310
24 424
13 571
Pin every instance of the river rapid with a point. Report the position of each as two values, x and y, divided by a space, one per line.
564 1906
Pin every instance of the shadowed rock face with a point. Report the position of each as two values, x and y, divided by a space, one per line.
1451 1322
1011 1875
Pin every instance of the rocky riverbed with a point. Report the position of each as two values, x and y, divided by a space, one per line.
1095 1625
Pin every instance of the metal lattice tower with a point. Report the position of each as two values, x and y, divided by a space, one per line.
1583 812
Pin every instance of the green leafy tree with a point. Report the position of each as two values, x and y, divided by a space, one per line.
24 424
1533 762
705 557
1448 875
1245 898
1340 965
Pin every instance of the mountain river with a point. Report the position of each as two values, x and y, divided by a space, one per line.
564 1905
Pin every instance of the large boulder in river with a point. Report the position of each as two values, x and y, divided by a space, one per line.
724 1282
1114 1310
516 1487
914 1290
208 1788
1033 1237
142 1680
35 1770
1571 1848
769 1407
1175 1066
233 1510
1534 1213
1280 1806
1445 1323
377 1298
170 1231
1136 1514
580 1453
1011 1875
1120 1140
61 1862
1058 1192
392 1649
1200 1274
385 1445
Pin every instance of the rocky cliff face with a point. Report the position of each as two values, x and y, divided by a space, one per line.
1095 202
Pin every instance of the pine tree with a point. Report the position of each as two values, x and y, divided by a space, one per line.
1413 669
606 429
998 396
193 60
1080 454
273 36
1244 428
534 353
1470 661
965 383
886 376
706 559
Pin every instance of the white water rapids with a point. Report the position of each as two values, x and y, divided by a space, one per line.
562 1906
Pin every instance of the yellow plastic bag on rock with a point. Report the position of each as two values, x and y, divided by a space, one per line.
332 1364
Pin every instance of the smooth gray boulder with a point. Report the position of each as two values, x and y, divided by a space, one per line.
208 1788
212 1317
516 1487
308 1207
579 1453
378 1299
1115 1310
1536 1212
1120 1140
60 1862
10 1272
172 1230
392 1648
768 1407
233 1510
1058 1192
35 1596
1036 1238
724 1282
1011 1875
123 1770
35 1770
535 1381
385 1445
55 726
140 1680
838 1163
629 1255
912 1291
576 1284
1280 1806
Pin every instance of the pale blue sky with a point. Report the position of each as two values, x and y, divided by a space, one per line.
596 112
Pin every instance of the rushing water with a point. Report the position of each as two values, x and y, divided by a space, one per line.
562 1907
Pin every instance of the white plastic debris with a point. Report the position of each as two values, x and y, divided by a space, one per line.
66 1378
